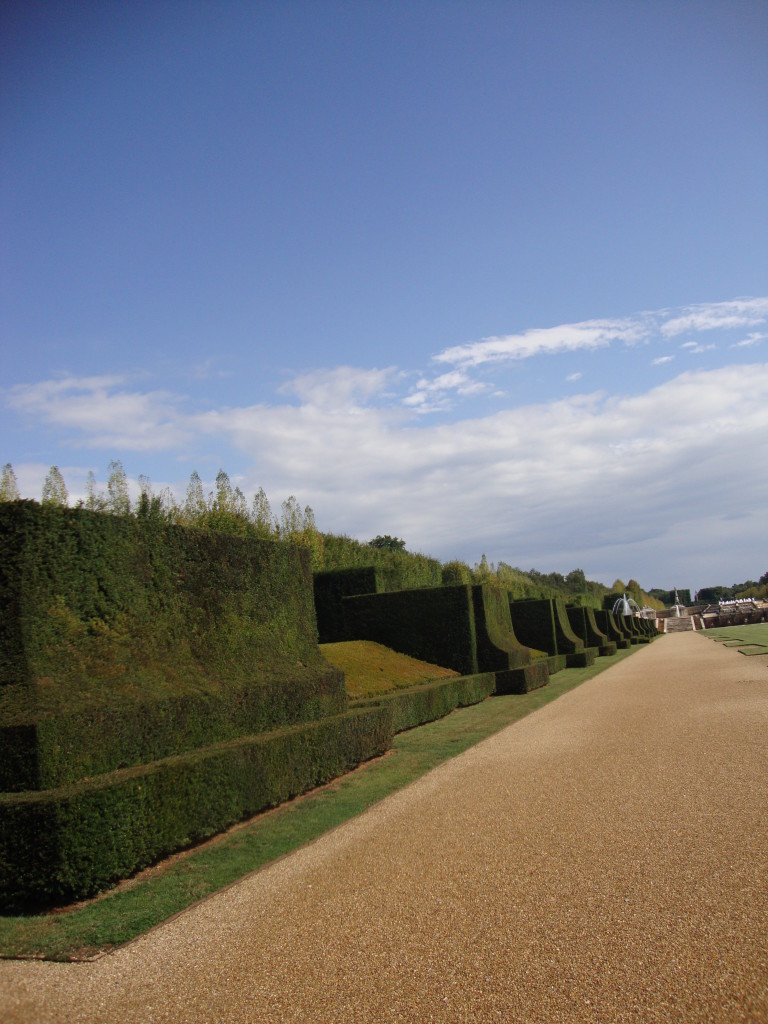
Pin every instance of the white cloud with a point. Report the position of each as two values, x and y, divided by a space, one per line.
717 315
590 334
751 339
102 413
343 387
662 360
572 480
694 348
574 376
432 395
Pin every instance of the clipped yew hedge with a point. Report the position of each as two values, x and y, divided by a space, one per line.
543 623
607 624
466 628
72 842
123 641
429 701
329 590
433 624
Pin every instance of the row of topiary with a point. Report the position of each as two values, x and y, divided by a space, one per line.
159 683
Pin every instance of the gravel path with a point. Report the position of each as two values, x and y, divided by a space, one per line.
603 860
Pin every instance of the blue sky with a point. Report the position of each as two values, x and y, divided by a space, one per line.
491 277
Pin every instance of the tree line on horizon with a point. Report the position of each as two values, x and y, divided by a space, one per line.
225 508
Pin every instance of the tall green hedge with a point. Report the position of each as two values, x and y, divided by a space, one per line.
583 624
123 641
436 625
607 624
392 571
329 590
544 624
466 628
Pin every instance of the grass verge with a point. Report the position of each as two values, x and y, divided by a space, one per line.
117 917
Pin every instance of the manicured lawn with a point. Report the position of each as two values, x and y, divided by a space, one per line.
757 634
153 897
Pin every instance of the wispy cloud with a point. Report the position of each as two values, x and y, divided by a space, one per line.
432 395
342 388
590 334
475 358
695 348
495 481
104 412
717 316
751 339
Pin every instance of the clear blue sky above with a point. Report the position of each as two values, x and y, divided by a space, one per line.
491 277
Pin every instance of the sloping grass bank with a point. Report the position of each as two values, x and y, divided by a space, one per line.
371 669
117 917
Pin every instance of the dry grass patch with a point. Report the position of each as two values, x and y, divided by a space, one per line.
371 669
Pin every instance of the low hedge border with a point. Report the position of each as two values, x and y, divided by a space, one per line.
52 750
430 701
61 845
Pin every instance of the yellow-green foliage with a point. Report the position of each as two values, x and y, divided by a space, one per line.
371 668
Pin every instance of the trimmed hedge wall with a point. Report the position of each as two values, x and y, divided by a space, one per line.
466 628
70 843
123 641
331 586
329 589
433 624
428 702
544 624
497 646
583 624
607 624
636 633
606 645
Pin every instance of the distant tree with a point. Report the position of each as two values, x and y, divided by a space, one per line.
9 488
226 509
291 517
223 499
194 502
634 591
576 581
118 500
94 499
483 571
239 503
455 572
261 514
54 488
387 543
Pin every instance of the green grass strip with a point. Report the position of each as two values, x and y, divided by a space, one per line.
734 635
118 917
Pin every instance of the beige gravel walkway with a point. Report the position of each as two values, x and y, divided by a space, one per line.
603 860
